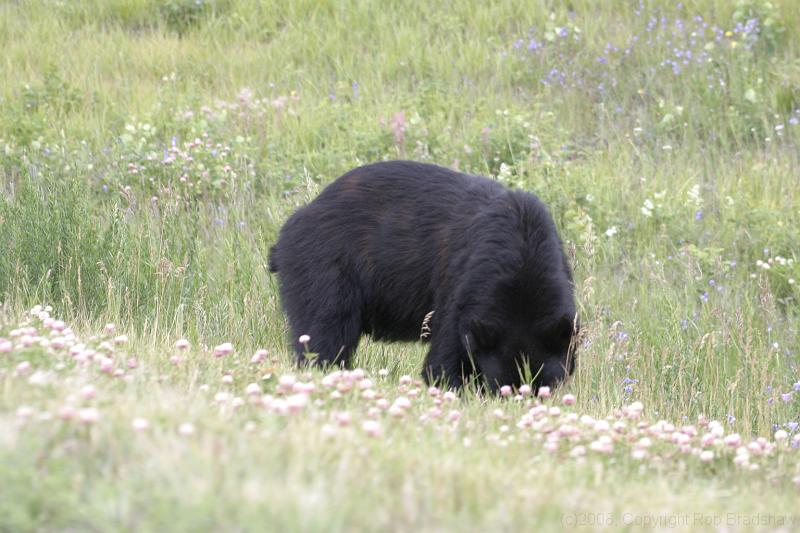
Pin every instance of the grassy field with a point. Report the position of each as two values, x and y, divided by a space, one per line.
149 152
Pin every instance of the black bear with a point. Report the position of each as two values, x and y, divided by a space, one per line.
402 250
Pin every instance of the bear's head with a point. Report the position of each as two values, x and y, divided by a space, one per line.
516 305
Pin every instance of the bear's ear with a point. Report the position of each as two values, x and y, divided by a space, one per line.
567 327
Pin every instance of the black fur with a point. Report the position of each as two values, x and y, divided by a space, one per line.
387 243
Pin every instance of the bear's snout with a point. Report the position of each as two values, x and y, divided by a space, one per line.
553 372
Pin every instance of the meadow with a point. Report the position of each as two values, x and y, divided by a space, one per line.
149 152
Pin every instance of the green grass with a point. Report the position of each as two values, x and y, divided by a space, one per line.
668 184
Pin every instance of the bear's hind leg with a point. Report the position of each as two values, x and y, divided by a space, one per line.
332 340
333 328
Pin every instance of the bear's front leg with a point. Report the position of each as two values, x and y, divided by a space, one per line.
447 364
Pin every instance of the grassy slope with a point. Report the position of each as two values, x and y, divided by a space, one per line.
329 82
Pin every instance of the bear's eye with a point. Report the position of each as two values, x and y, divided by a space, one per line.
486 336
